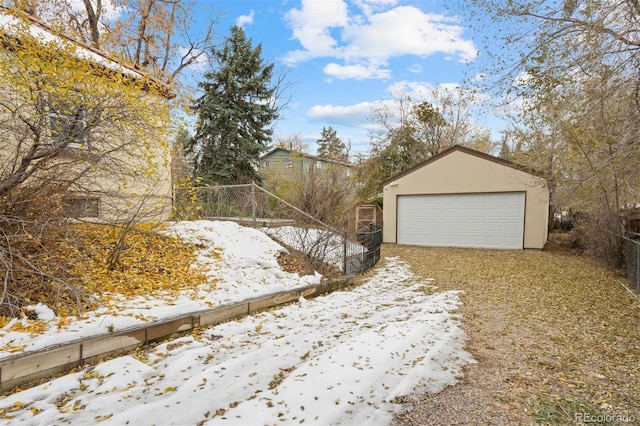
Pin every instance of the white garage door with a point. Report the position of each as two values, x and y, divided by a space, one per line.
486 220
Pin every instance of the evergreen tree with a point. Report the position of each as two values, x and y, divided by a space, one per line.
330 146
234 114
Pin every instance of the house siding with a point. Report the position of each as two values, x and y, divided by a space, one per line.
148 174
291 165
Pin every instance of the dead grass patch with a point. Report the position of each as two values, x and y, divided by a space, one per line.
296 262
552 333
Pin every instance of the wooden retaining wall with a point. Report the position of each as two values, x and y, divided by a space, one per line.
25 367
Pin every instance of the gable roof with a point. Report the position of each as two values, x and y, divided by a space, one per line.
309 156
466 150
12 18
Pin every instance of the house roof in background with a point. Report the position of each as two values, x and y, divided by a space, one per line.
309 156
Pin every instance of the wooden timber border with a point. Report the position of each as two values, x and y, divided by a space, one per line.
22 368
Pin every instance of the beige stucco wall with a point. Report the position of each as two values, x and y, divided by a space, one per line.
133 181
459 172
141 188
126 161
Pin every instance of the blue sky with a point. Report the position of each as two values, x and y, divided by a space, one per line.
343 56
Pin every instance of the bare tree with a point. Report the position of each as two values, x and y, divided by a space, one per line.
155 35
412 129
576 79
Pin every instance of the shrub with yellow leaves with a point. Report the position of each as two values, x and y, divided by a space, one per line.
150 264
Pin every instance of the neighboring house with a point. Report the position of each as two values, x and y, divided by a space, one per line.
465 198
284 164
101 188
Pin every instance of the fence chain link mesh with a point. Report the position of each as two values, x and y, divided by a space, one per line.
324 247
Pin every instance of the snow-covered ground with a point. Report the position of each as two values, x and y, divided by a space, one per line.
337 359
240 263
322 244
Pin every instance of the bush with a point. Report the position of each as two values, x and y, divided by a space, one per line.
598 235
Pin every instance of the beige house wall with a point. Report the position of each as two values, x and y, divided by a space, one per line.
133 181
127 170
143 192
142 186
459 172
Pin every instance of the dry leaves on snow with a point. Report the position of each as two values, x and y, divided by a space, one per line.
149 263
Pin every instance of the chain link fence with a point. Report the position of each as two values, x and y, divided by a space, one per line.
632 259
325 248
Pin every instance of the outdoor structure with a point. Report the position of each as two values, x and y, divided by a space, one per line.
280 163
107 146
365 216
465 198
631 218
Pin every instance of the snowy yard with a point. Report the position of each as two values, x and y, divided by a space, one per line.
337 359
324 245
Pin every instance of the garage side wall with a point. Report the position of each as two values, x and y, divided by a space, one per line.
462 173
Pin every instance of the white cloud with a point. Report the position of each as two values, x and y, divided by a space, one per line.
407 30
416 90
200 64
370 6
455 100
415 69
420 91
522 79
356 71
243 20
371 33
357 115
111 12
312 24
479 77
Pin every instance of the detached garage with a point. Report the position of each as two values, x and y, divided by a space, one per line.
465 198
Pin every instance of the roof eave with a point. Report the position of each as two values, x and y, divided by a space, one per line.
455 148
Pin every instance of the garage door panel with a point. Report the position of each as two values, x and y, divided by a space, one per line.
512 241
495 227
511 227
495 213
448 227
488 220
458 240
494 240
463 226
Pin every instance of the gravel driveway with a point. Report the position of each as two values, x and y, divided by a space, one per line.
556 339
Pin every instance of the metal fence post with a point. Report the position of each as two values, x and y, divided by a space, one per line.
632 259
344 254
253 203
637 245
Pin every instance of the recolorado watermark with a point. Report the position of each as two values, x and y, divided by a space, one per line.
585 418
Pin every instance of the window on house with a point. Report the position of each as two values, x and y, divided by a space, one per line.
264 164
318 164
289 164
82 207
